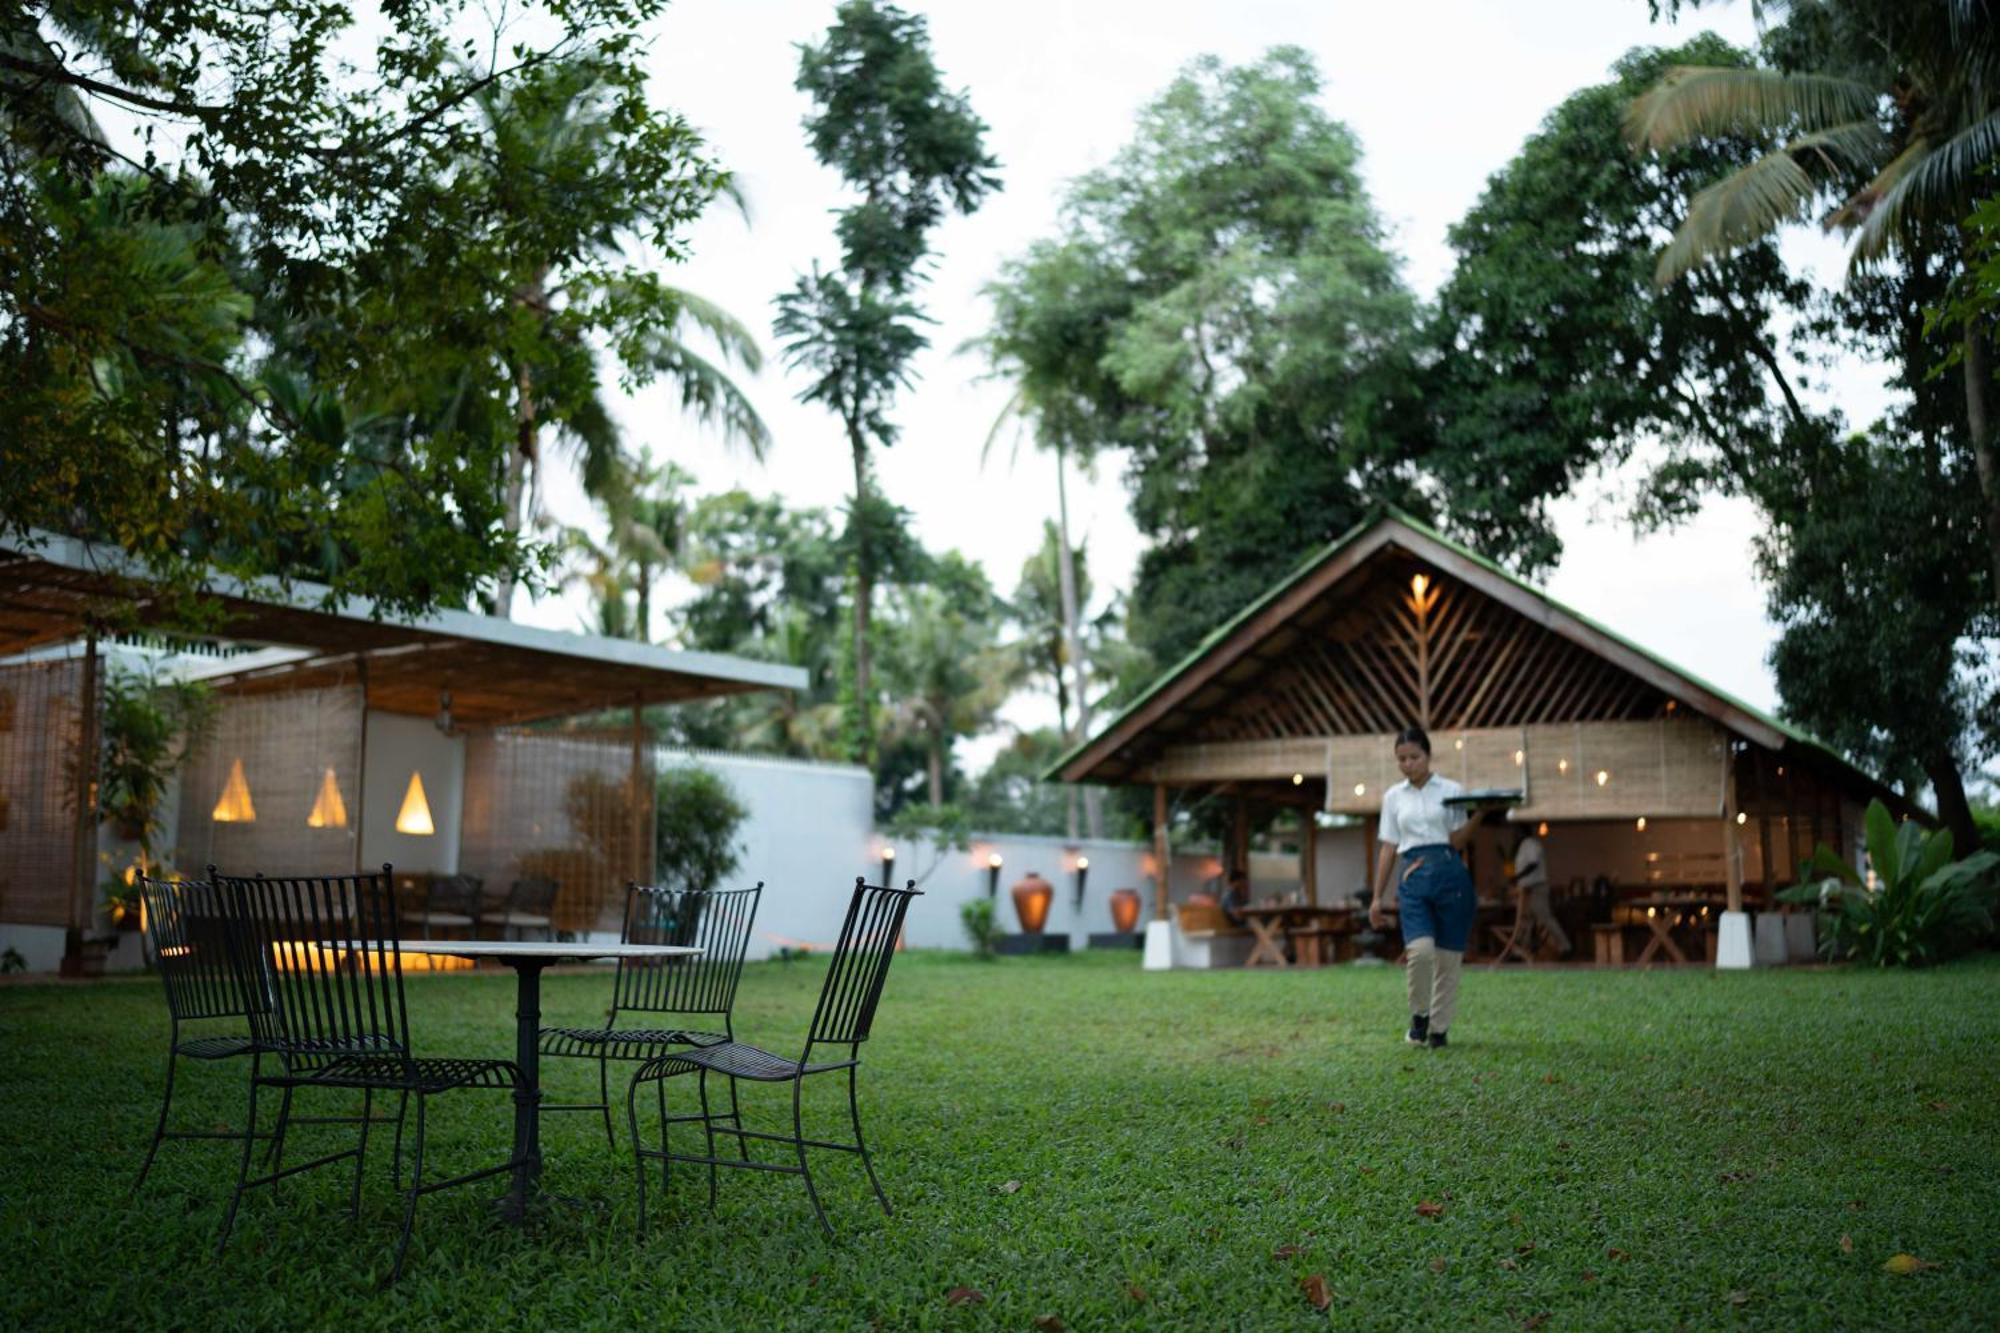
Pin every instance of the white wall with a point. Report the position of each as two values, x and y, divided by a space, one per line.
398 746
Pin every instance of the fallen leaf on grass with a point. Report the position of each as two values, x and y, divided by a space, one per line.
1846 1243
1940 1106
1905 1264
1739 1298
1732 1177
964 1296
1535 1321
1367 1170
1438 1264
1615 1253
1317 1291
1551 1078
1048 1323
1562 1145
1589 1276
1514 1219
1338 1108
1509 1265
1261 1120
1429 1209
1529 1248
1137 1293
1284 1252
1855 1205
1011 1187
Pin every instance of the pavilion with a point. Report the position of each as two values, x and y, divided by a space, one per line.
1647 776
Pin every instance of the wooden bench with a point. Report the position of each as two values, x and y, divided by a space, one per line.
1608 944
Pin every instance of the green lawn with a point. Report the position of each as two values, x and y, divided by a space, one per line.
1073 1138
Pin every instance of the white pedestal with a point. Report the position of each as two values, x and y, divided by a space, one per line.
1732 943
1770 939
1802 937
1159 946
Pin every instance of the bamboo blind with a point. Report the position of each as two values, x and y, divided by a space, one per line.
41 718
560 805
287 743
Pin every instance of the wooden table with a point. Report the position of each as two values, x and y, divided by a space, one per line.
1659 920
1270 923
528 958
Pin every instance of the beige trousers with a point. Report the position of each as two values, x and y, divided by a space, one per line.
1432 976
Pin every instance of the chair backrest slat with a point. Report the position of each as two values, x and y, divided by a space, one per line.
853 986
534 896
323 951
717 921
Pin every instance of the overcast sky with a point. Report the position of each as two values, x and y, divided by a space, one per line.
1441 94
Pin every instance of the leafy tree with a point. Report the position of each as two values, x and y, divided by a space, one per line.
945 666
1889 111
1219 304
914 152
697 816
277 326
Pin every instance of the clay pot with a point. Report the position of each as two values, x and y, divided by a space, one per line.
1031 902
1124 910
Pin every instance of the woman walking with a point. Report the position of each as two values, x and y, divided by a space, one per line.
1438 902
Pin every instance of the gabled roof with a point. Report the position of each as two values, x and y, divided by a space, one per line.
1391 528
497 671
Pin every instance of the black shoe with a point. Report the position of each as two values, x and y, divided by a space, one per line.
1437 1041
1420 1026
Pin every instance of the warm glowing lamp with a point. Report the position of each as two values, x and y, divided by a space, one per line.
234 807
1603 777
1360 789
1542 829
1417 585
1518 757
328 811
415 816
1298 779
888 864
993 875
1741 817
1562 765
1642 823
1082 873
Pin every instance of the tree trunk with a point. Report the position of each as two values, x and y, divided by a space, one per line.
1073 637
864 592
643 630
1948 785
934 761
517 475
1978 371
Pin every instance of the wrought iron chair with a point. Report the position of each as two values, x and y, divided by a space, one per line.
186 933
451 902
318 957
530 906
699 986
844 1017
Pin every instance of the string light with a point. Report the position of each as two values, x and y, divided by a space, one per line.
1298 779
1642 823
1602 777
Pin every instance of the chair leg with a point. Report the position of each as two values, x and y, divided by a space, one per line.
396 1153
604 1097
361 1153
638 1162
243 1167
708 1127
660 1091
854 1112
799 1143
416 1188
160 1129
278 1137
736 1118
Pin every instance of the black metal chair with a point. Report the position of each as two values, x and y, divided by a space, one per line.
451 902
318 958
688 987
186 933
844 1017
530 906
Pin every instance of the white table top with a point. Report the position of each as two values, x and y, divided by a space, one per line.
505 949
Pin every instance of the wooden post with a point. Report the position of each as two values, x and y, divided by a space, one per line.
361 773
83 889
642 806
1239 839
1369 824
1161 851
1732 860
1770 869
1309 851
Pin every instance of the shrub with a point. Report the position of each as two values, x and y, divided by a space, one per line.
977 914
1924 906
698 816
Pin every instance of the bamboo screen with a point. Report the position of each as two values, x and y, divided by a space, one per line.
41 723
276 787
1604 770
559 805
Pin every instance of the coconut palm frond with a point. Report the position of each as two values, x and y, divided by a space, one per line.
1735 211
712 398
1926 180
1015 410
1694 101
731 334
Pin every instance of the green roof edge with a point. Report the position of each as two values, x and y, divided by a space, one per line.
1381 511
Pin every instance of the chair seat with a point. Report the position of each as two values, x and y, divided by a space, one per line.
623 1043
433 1074
522 919
215 1048
738 1060
442 918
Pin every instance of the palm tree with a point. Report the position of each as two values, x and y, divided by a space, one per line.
547 135
949 674
1901 137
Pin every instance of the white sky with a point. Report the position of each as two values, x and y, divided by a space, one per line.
1440 93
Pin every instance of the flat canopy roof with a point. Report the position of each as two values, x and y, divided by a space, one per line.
498 672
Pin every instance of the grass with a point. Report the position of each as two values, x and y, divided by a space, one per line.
1072 1138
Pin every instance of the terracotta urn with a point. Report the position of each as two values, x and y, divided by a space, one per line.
1124 910
1032 896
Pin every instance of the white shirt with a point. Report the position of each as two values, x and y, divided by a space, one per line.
1418 816
1530 870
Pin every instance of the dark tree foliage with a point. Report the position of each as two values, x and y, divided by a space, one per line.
262 310
1220 304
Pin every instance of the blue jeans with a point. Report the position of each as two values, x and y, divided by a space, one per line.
1437 897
